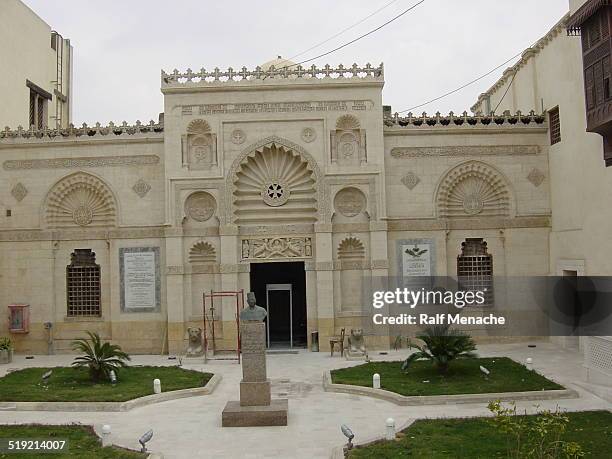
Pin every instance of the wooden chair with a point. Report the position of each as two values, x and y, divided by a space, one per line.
339 341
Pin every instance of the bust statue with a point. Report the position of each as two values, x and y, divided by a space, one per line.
253 312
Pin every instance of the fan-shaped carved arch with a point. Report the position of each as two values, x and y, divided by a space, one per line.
274 182
473 189
351 248
80 199
202 252
198 126
347 123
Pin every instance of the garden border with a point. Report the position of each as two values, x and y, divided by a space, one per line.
419 400
114 406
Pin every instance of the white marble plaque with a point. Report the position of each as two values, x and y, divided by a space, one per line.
139 279
416 259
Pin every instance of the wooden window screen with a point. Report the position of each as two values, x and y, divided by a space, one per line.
83 284
554 126
475 268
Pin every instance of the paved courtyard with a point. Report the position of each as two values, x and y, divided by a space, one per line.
191 427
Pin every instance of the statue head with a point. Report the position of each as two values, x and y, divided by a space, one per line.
251 299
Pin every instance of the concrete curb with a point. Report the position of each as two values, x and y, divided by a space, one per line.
113 406
420 400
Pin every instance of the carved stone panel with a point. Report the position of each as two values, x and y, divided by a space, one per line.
19 192
276 247
410 180
536 177
199 146
350 202
200 206
141 188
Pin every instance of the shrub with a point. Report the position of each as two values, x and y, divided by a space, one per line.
100 358
441 346
5 344
536 436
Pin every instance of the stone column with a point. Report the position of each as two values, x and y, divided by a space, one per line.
175 294
325 283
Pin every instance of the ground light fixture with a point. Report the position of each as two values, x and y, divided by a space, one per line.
45 377
146 437
113 377
348 433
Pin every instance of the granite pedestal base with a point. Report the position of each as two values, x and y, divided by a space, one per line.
274 414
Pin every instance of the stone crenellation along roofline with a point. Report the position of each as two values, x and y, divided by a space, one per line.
71 131
288 72
507 120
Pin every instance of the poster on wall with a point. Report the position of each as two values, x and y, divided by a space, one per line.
140 279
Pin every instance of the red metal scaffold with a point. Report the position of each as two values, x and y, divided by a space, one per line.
209 324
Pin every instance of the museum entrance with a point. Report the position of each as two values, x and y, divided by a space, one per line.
281 289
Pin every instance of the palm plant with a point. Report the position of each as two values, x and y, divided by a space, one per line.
100 358
441 346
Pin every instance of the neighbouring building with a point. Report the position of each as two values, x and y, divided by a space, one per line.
36 63
551 78
296 183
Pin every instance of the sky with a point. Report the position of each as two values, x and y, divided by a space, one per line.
120 46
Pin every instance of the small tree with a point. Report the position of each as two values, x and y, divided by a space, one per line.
100 358
441 346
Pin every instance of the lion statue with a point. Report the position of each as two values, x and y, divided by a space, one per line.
356 344
195 346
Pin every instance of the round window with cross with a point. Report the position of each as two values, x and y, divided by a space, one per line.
275 193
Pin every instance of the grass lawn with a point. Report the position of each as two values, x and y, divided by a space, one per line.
478 438
463 377
73 385
82 442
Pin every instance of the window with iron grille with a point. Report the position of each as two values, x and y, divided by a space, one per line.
475 268
83 284
554 125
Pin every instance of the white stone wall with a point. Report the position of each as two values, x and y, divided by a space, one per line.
27 54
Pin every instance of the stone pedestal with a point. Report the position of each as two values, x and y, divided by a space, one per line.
255 408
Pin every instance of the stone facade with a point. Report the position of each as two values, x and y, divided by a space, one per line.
263 166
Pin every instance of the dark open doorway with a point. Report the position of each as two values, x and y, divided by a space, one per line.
281 289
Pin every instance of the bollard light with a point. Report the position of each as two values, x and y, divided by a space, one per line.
106 432
157 386
529 362
113 377
376 381
390 430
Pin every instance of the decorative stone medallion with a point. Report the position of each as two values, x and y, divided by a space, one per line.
200 206
536 177
350 202
309 135
410 180
141 188
82 215
275 193
19 191
472 204
238 136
